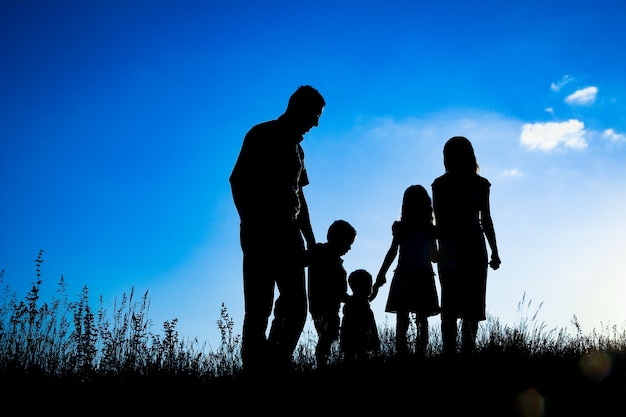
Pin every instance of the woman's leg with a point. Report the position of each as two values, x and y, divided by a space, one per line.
448 334
469 330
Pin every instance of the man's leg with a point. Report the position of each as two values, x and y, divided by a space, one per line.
290 308
258 288
290 312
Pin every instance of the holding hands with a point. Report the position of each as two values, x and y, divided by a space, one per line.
380 281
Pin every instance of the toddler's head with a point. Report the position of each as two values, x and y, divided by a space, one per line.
360 282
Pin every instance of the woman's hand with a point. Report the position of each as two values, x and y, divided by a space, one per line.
495 261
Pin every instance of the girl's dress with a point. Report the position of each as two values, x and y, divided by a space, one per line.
413 284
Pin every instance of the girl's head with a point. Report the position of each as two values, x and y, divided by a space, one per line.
417 205
458 156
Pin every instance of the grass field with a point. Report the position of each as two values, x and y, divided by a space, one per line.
61 355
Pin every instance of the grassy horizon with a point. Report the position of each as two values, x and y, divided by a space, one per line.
67 342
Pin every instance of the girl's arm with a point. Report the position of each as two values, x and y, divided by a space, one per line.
389 258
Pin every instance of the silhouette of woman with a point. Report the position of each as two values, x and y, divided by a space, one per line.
463 221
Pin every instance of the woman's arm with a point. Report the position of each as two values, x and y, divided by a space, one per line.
490 234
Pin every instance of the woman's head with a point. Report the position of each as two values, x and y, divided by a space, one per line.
458 156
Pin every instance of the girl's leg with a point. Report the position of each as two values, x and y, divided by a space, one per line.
402 327
422 333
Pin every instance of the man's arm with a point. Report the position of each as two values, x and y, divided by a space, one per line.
304 222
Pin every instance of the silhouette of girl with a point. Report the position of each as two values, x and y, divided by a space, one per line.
413 284
463 221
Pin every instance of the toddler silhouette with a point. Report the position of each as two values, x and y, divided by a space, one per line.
359 338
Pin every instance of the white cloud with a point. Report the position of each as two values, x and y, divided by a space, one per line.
613 136
513 172
583 96
547 136
558 85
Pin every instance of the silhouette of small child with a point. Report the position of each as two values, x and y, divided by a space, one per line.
328 285
359 338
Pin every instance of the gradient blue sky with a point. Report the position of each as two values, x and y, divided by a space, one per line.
120 122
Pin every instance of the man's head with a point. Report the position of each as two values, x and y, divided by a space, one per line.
305 108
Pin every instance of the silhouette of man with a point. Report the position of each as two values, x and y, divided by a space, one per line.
267 185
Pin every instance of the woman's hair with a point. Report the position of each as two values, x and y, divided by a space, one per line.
417 206
458 156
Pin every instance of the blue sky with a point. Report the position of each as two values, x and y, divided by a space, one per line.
120 123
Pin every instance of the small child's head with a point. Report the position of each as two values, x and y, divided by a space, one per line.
341 236
360 282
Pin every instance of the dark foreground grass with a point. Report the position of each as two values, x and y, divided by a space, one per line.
62 356
484 384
